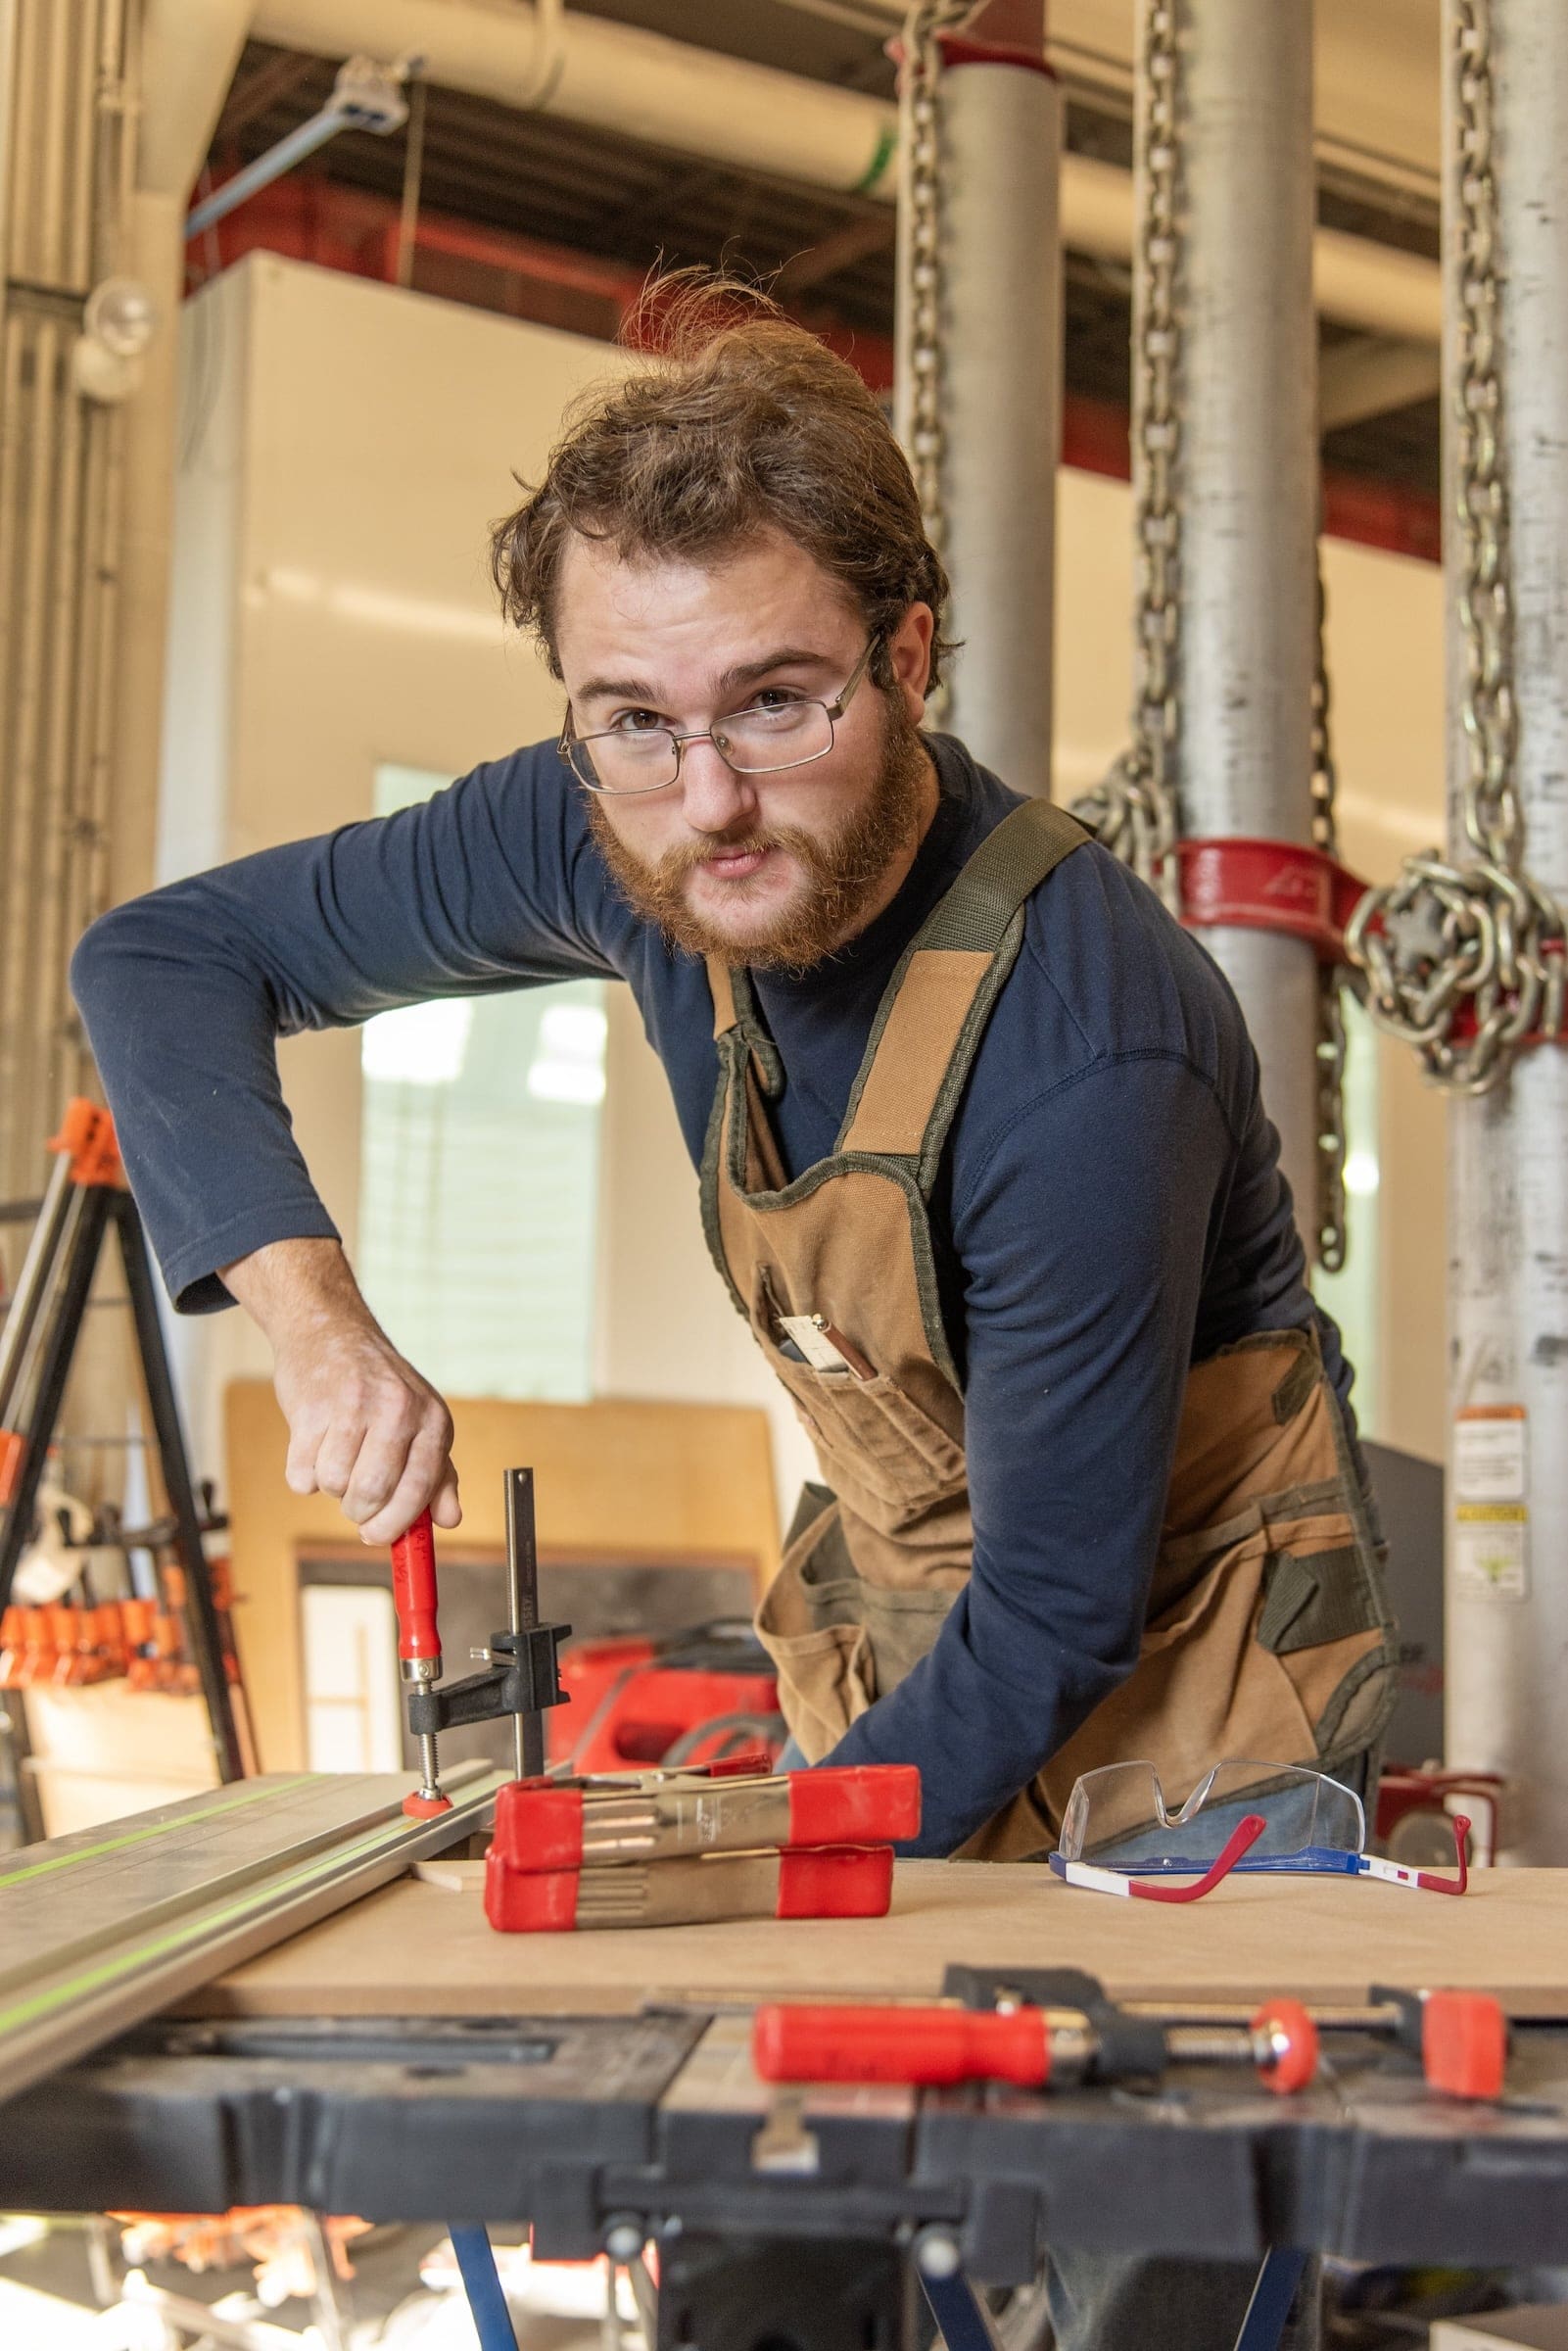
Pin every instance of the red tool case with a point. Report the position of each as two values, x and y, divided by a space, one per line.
688 1698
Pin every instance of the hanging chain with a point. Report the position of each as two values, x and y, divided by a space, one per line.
1329 1049
920 294
1133 809
1481 934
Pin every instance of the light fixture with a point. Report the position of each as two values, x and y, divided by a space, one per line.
118 321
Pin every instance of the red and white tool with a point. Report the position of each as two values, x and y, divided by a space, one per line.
833 1882
1460 2037
543 1827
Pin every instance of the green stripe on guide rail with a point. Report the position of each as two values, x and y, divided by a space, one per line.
263 1897
164 1828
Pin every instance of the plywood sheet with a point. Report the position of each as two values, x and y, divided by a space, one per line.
423 1947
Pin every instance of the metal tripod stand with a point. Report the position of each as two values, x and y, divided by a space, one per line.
85 1198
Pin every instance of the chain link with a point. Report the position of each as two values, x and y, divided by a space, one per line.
1329 1048
1483 932
920 141
1133 809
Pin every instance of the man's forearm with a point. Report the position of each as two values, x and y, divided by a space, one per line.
363 1424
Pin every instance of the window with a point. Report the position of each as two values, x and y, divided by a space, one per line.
479 1177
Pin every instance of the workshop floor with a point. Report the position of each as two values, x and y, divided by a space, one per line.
48 2300
403 2297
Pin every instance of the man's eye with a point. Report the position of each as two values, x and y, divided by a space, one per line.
635 722
774 697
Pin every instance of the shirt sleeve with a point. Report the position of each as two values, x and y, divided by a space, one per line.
1083 1243
490 884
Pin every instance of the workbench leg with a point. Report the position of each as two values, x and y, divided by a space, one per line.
476 2265
959 2312
1263 2326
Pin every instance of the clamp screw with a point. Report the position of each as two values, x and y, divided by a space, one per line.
624 2239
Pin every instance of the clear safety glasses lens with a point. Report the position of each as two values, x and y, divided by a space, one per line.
1123 1815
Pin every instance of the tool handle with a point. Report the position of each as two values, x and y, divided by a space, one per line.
413 1591
928 2047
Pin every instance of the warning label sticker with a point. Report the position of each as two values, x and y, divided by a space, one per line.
1489 1453
1492 1548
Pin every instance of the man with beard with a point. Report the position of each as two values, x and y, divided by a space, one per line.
984 1163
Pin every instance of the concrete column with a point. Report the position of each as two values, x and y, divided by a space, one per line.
1249 484
1507 1568
1003 360
1001 279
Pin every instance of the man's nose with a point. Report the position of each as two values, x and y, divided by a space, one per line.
715 799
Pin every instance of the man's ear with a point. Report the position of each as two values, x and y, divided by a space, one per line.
909 656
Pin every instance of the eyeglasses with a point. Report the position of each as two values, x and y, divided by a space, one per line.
1295 1820
759 740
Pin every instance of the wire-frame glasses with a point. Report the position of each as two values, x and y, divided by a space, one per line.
760 740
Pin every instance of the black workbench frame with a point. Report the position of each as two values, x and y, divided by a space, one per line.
578 2124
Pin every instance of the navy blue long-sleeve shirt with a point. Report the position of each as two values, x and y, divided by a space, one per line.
1110 1208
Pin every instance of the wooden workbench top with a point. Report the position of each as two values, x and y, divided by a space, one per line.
421 1945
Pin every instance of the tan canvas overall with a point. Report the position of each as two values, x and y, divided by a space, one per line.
1267 1635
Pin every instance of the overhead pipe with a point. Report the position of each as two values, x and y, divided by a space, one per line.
755 119
367 96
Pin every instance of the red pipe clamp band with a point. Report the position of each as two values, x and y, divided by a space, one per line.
1269 885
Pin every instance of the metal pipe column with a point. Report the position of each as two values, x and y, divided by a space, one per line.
978 399
1249 501
1507 1570
1002 277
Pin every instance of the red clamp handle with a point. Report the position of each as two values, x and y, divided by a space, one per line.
930 2047
413 1591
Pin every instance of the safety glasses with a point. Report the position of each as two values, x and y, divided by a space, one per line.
1121 1835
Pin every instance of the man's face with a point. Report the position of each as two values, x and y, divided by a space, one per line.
772 870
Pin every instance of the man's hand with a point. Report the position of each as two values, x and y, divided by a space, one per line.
363 1424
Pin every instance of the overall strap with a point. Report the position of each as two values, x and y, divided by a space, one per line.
930 1021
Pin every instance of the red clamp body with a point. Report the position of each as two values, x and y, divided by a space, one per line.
844 1881
543 1827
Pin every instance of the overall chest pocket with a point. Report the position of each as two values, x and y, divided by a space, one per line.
879 1450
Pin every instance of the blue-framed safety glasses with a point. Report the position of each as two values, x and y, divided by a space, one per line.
1243 1815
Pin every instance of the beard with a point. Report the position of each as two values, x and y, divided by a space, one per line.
841 874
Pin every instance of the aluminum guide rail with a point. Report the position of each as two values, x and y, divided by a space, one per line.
100 1930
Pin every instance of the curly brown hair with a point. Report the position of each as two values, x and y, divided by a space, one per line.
736 420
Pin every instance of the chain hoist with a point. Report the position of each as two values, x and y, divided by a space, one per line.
1465 962
1133 809
924 423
